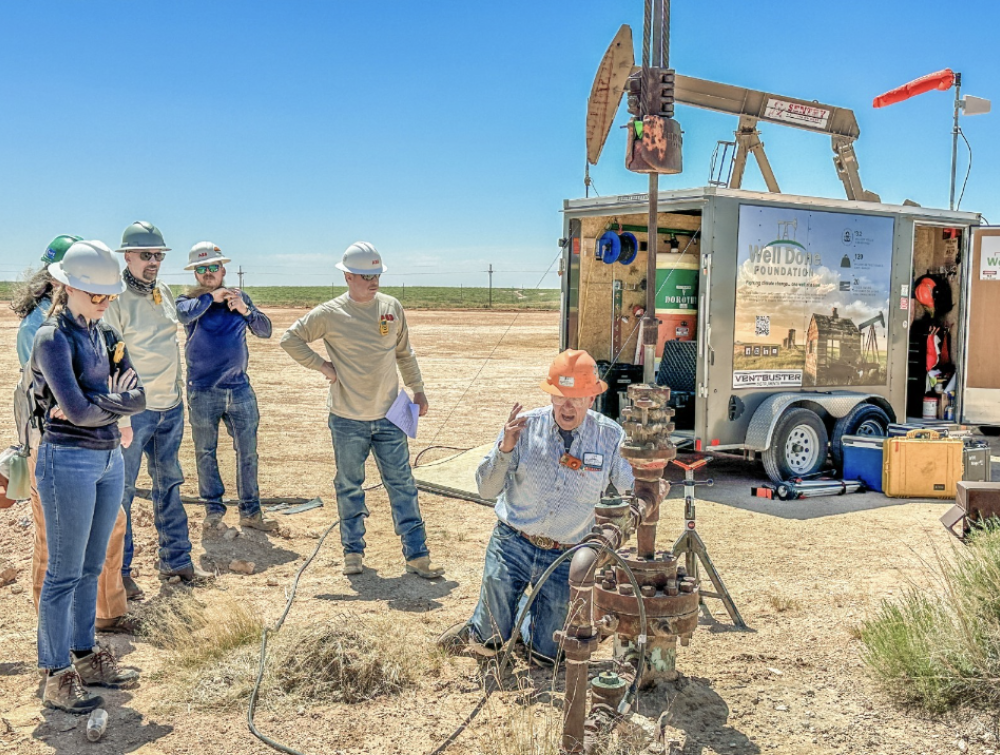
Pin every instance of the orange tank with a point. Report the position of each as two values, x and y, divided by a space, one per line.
676 325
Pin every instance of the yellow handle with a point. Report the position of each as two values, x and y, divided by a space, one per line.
929 434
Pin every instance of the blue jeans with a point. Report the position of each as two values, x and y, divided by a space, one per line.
513 563
158 435
352 442
80 490
237 408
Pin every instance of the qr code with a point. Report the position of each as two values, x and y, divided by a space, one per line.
763 325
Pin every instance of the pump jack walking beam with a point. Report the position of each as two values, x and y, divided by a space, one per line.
747 141
752 106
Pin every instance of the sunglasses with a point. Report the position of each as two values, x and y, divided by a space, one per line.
147 256
578 401
369 277
101 298
202 269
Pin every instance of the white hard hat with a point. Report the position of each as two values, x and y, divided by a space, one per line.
204 253
89 266
361 258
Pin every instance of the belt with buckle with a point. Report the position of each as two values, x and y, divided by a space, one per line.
545 543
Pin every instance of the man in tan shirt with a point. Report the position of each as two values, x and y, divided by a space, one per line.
366 338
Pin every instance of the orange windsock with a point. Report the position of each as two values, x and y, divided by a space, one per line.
941 80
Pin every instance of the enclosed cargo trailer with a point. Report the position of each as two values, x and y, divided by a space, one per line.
787 322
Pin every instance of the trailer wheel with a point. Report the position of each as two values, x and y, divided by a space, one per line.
798 446
864 419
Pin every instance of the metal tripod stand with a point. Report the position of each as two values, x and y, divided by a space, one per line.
691 544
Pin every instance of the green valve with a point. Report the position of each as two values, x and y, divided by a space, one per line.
608 680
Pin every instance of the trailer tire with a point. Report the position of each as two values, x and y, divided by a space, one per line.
863 419
799 445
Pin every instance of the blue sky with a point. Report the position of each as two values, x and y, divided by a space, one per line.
448 134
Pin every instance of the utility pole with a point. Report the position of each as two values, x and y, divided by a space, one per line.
954 139
491 285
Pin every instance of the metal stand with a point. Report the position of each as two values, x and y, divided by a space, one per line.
691 544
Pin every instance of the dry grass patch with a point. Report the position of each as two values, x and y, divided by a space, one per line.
213 648
211 642
197 632
348 659
783 603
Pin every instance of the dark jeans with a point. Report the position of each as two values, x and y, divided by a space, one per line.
513 563
80 490
157 435
353 440
237 408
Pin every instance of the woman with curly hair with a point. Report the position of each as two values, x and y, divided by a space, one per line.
32 303
83 383
33 298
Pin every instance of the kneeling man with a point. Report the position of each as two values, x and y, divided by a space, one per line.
549 468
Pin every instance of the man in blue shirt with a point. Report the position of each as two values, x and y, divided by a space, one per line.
549 468
216 319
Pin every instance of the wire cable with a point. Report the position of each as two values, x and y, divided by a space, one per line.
252 707
967 170
647 29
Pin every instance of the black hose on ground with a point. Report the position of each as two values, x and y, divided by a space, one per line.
504 656
252 708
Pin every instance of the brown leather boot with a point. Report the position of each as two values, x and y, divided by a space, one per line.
100 669
64 691
189 574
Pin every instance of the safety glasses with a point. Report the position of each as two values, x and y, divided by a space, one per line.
147 256
101 298
202 269
369 277
578 401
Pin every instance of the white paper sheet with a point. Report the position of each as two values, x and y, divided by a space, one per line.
403 414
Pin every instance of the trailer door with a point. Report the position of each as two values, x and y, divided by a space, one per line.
981 402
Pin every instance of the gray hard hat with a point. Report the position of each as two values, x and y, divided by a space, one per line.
143 236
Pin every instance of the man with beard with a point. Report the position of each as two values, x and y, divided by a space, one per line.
549 468
146 317
216 319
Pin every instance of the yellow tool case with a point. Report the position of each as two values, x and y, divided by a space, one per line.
921 465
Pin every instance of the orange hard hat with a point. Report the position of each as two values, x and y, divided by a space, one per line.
573 374
924 292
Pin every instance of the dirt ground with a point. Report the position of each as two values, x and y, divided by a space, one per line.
793 683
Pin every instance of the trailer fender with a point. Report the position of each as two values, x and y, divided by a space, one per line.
836 403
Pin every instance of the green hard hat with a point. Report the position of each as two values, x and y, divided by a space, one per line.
57 248
142 236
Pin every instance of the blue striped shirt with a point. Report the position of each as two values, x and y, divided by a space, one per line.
538 495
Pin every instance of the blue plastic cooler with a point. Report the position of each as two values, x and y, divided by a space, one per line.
863 459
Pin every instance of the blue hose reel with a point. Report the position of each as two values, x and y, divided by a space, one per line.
609 246
617 247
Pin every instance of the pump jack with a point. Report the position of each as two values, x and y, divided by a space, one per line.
750 105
